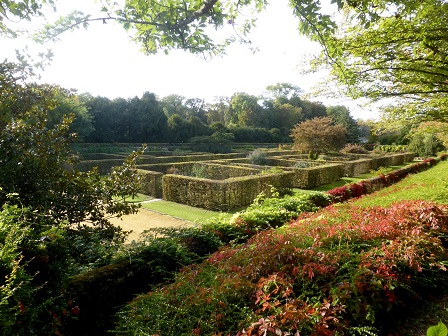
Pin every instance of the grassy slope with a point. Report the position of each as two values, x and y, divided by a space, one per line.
347 180
429 185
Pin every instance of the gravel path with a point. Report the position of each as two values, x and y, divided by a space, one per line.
146 219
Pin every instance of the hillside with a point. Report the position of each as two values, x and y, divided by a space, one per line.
350 269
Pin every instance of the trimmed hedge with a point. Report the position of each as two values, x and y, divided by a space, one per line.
225 181
97 293
221 195
365 163
151 183
104 166
212 170
307 178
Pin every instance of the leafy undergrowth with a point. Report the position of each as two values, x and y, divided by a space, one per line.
344 270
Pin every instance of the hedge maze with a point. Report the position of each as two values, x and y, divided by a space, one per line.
226 181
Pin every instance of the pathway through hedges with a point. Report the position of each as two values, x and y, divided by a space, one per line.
146 219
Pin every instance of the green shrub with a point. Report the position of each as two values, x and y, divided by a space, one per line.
138 268
267 213
354 149
198 241
225 230
425 145
301 164
390 148
199 171
218 142
336 271
257 157
312 156
34 267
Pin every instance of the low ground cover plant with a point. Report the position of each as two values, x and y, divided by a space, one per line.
330 273
364 187
438 330
160 253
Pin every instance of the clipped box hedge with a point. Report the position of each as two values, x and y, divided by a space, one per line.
102 156
221 195
364 164
307 178
104 166
151 183
211 170
193 158
225 181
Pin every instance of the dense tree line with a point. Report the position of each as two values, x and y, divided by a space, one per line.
247 118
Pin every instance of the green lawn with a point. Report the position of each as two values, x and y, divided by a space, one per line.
430 185
139 198
347 180
182 211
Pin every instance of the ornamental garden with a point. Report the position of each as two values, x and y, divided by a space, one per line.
227 181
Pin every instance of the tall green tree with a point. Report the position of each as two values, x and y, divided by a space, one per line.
70 104
341 115
439 129
196 107
174 104
103 120
399 58
282 93
313 110
178 129
153 121
216 112
246 110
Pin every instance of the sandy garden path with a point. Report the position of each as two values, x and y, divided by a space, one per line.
146 219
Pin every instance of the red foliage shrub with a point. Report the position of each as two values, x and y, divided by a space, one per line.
356 189
430 161
340 194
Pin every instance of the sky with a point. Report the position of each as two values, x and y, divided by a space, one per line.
103 61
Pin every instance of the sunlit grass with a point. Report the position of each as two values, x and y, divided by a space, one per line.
430 185
182 211
347 180
138 198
